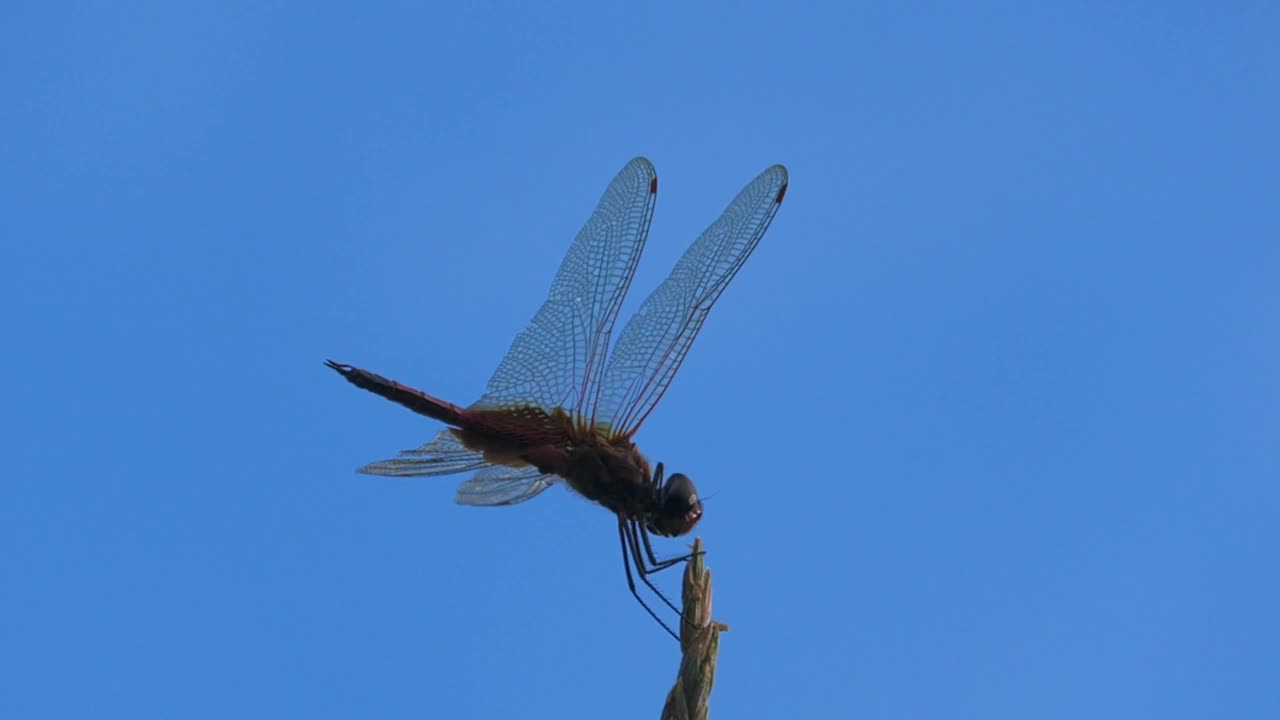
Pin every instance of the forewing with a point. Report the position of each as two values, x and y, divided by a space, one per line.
502 485
444 455
655 341
558 361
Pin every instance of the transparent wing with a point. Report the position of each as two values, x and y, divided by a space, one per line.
655 341
558 361
444 455
501 485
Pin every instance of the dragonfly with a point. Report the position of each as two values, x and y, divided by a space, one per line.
563 406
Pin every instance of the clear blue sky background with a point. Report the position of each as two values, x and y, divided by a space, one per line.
989 421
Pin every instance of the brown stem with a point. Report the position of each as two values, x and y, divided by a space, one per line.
699 643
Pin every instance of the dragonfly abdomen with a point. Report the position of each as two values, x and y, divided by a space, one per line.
415 400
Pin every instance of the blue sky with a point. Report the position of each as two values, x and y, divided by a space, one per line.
989 420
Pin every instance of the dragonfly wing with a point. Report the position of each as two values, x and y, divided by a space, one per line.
558 361
444 455
655 341
501 485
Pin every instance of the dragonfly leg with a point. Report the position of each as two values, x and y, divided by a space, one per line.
634 545
655 565
627 549
632 529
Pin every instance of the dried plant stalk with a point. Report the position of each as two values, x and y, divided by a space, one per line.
699 643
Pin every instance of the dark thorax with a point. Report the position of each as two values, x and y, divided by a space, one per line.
615 475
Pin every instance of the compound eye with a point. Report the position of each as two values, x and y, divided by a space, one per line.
680 508
679 495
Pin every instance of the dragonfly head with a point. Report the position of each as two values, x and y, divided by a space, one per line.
679 508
